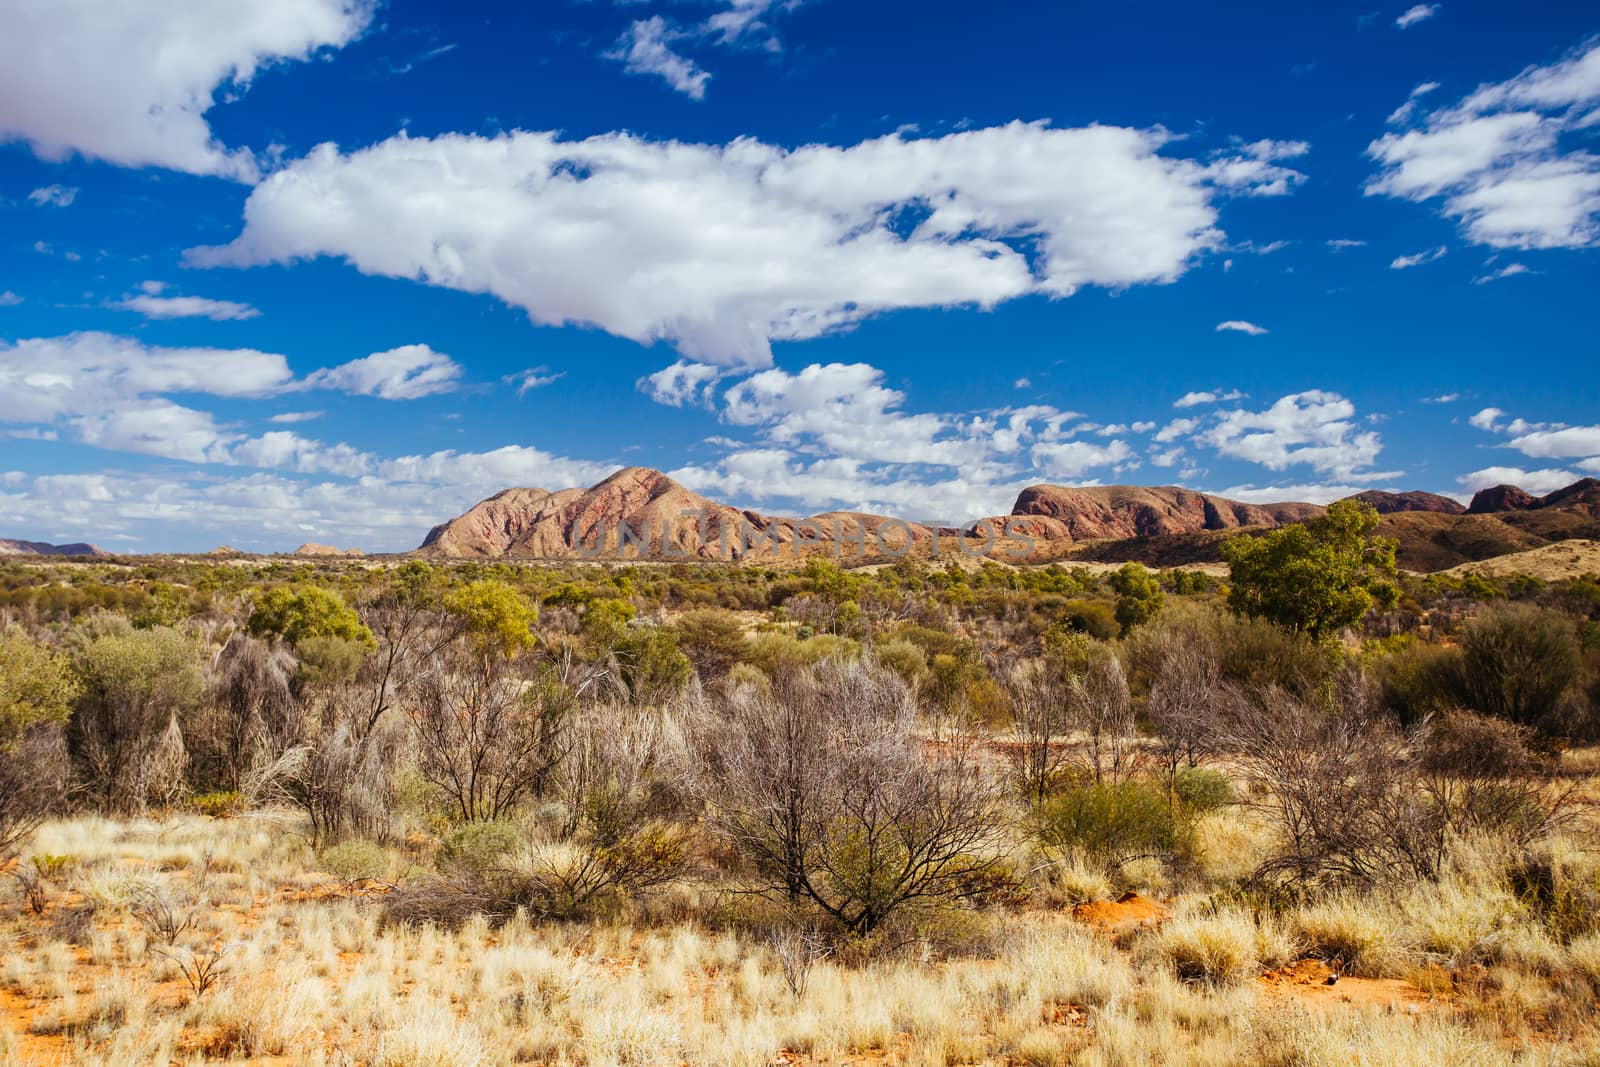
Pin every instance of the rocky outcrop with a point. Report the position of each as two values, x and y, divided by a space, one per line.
317 551
1502 498
1099 513
642 513
40 548
1394 503
1582 496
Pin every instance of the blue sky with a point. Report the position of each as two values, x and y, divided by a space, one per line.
328 270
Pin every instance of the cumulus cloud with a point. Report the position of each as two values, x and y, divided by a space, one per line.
646 47
1315 428
1564 443
1210 395
1539 482
1418 13
406 373
682 384
1279 494
1240 326
721 250
8 299
1074 459
186 307
131 83
1442 398
1488 419
1501 159
52 195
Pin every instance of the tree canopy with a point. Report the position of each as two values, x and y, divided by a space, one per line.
295 613
1316 577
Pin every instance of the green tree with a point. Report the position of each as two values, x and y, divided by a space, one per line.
496 619
1517 662
713 640
1139 595
295 613
1316 577
36 686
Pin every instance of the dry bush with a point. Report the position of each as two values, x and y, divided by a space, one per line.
1341 785
1517 661
34 772
252 717
827 790
486 738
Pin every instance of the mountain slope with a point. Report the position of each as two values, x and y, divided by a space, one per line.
40 548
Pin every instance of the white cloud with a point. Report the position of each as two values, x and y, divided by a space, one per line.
1144 427
1286 494
723 249
1510 270
406 373
1210 395
187 307
1177 429
741 20
1537 482
533 378
1566 443
1341 244
1240 326
1022 383
1419 258
1488 420
1419 13
1591 465
288 417
1404 112
1314 428
53 195
131 83
1073 459
1168 458
1442 398
8 299
682 384
1499 161
646 48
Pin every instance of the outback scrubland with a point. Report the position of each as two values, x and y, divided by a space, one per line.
1314 812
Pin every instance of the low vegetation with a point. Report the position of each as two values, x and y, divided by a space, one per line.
604 814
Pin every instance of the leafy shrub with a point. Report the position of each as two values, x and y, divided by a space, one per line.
219 805
1111 823
1517 662
354 862
480 846
1200 790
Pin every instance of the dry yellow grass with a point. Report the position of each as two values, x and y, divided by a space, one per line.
309 976
1550 563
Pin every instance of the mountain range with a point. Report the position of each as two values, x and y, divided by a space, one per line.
643 513
639 512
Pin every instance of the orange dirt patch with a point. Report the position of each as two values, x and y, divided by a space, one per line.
1306 983
1130 909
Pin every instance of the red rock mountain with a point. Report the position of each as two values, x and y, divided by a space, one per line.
1393 503
1114 512
642 512
40 548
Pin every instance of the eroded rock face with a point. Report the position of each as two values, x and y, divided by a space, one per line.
642 512
1121 511
1502 498
1391 503
40 548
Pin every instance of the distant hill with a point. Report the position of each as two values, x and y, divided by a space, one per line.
40 548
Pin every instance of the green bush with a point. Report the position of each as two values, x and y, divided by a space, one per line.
1200 790
353 862
1111 823
1518 661
480 846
